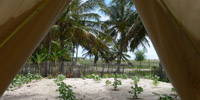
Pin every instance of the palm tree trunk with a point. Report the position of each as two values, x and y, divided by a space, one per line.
61 58
119 60
120 52
76 53
55 68
39 68
73 51
95 59
47 69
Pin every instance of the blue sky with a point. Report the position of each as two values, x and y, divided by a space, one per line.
150 54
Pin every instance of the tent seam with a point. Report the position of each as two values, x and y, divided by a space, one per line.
24 22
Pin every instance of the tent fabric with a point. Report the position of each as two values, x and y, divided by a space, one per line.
187 15
172 26
14 13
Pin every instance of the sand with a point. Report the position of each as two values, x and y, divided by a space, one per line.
86 90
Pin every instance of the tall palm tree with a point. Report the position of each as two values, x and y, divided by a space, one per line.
121 25
77 22
95 47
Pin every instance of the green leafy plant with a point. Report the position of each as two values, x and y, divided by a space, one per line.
59 78
54 56
82 77
118 75
37 77
38 58
28 77
20 79
155 80
49 76
108 82
135 79
116 83
136 89
165 97
65 91
124 76
106 76
96 78
112 75
89 76
147 76
173 90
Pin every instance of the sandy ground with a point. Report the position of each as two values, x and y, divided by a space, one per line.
86 90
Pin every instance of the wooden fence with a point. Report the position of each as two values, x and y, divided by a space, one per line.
135 68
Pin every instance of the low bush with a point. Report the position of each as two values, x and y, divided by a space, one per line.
136 89
96 78
108 82
116 83
165 97
59 78
155 80
65 91
20 79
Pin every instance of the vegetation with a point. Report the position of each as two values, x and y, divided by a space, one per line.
136 89
116 83
59 78
65 91
155 80
81 26
96 78
108 82
19 80
165 97
139 56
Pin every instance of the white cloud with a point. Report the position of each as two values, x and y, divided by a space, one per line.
104 17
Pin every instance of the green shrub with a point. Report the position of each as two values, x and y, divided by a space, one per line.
89 76
29 77
106 76
118 75
147 76
165 97
59 78
124 76
155 80
173 90
37 77
19 80
65 91
49 76
136 89
96 78
82 77
112 75
135 79
108 82
116 83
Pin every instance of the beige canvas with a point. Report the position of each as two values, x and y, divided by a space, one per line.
23 24
173 35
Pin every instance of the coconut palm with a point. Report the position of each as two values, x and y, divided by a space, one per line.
77 21
121 25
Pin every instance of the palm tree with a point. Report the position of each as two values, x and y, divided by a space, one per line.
76 22
122 27
38 58
47 43
95 47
